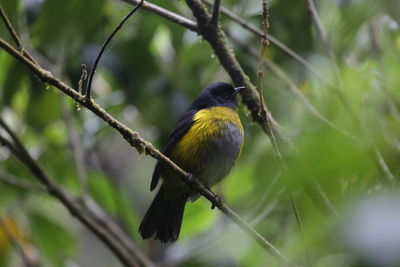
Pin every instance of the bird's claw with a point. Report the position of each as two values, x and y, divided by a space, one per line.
219 202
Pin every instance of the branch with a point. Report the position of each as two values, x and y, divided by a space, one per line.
162 12
135 140
215 13
54 190
216 38
14 35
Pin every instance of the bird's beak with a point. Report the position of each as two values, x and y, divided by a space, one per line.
237 90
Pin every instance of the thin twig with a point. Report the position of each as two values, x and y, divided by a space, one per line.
135 140
385 168
19 183
14 35
260 76
103 48
215 13
169 15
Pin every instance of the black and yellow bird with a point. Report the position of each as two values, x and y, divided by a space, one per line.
206 142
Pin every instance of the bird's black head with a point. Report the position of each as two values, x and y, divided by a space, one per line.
217 94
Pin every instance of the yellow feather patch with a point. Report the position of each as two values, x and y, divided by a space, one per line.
207 123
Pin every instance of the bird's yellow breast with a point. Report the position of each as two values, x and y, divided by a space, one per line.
207 125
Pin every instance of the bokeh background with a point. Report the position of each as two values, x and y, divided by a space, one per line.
342 116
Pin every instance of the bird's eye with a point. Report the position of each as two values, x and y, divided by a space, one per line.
226 96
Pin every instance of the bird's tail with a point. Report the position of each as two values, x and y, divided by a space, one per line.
163 219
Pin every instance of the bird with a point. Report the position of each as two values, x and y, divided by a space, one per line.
206 142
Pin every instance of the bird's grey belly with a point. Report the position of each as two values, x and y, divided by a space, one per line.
218 155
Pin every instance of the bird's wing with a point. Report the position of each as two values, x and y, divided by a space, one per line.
182 126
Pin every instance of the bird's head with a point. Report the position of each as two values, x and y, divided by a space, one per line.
217 94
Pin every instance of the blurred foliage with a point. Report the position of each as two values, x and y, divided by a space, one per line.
150 74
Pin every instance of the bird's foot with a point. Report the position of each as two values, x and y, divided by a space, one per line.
218 202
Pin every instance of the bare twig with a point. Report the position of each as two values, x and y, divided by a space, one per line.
14 35
135 140
83 78
162 12
260 75
89 85
215 13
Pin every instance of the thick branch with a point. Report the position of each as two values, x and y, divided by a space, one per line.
234 17
216 37
135 140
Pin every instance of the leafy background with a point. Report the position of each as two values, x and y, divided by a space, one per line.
150 74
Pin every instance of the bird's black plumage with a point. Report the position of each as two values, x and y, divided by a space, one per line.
213 158
217 94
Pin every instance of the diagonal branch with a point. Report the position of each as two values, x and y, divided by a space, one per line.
20 152
14 35
135 140
217 39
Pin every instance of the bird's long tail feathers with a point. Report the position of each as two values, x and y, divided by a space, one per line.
163 219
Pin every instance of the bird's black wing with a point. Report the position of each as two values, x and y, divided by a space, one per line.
182 126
